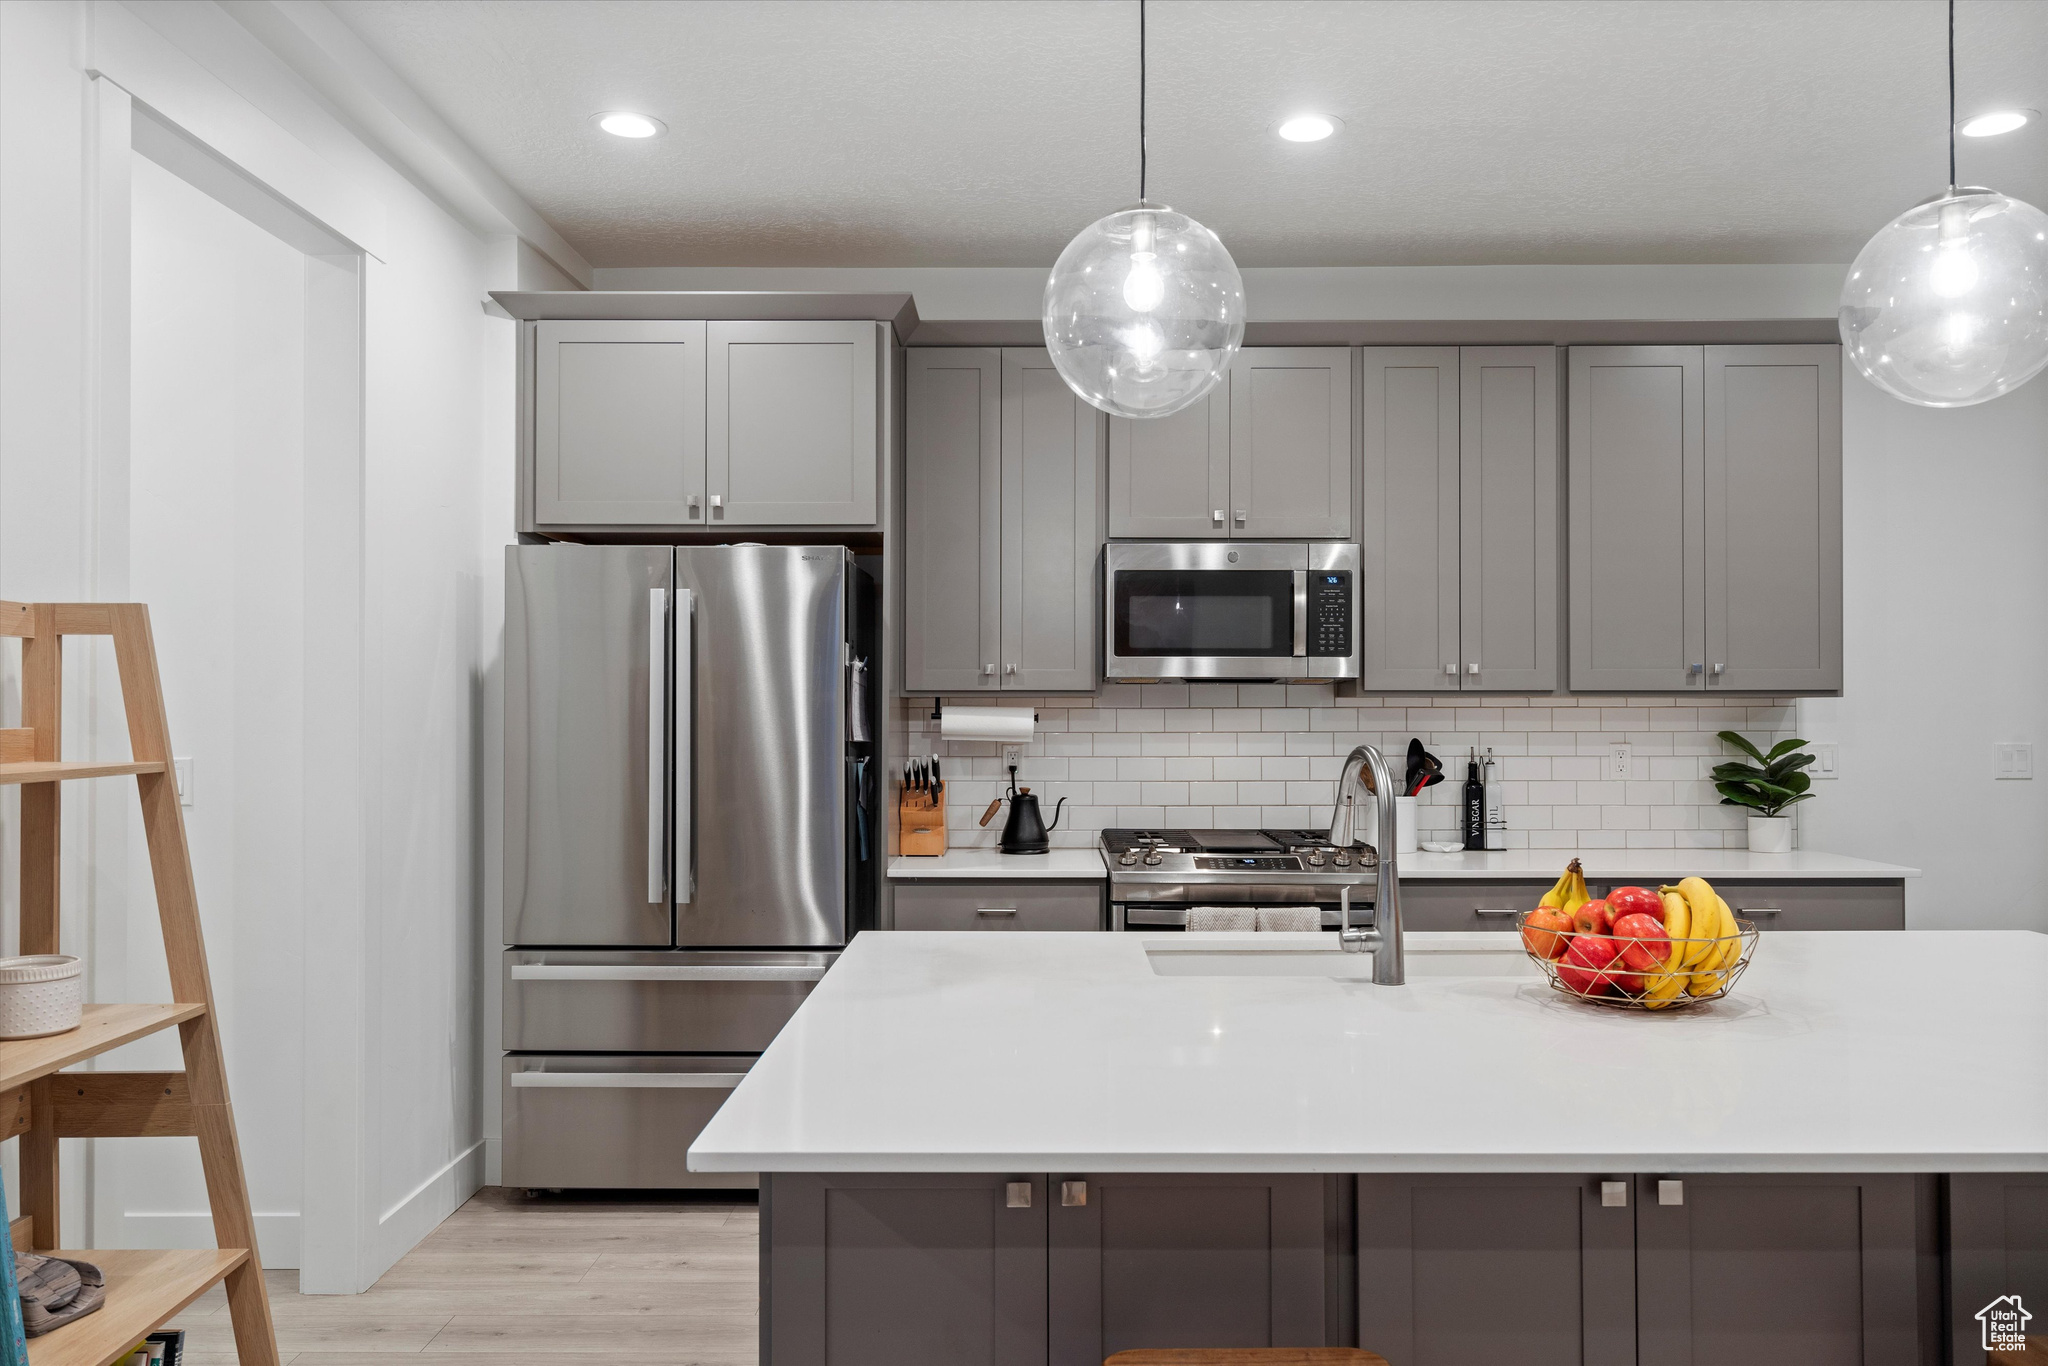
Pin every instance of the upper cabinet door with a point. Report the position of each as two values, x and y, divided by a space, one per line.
1636 472
1774 518
1290 442
1052 466
1508 517
952 499
790 423
1170 476
1408 519
618 435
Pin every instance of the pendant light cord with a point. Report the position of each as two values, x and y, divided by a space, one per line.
1141 88
1951 91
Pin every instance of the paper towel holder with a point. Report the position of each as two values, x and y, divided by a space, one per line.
939 706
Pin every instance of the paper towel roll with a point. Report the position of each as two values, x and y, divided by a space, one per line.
1008 725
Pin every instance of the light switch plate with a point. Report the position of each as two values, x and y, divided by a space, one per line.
1825 760
1620 761
2016 759
181 773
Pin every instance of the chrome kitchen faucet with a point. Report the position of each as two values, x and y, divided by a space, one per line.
1366 767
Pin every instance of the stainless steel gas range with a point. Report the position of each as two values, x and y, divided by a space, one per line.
1156 876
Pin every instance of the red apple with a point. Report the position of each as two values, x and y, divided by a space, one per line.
1546 931
1595 917
1587 952
1636 901
1644 945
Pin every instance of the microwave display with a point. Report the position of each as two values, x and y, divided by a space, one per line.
1196 614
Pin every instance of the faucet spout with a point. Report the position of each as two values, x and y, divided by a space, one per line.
1365 771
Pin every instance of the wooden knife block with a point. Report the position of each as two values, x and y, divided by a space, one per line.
920 823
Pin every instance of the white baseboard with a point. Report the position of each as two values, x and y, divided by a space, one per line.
400 1228
277 1235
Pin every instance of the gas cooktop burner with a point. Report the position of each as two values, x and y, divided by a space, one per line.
1247 852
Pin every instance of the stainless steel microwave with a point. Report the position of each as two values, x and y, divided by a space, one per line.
1230 609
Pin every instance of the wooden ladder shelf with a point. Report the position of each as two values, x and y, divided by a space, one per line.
42 1103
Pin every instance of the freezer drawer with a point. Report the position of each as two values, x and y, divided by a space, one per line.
572 1001
1006 905
614 1123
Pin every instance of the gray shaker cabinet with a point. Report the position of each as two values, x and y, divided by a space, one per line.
1532 1269
618 434
1820 1269
1997 1242
790 429
1774 518
1003 524
952 582
1169 477
1458 518
903 1270
1137 1261
1706 518
1266 456
1637 474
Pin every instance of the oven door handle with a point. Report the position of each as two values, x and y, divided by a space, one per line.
1300 613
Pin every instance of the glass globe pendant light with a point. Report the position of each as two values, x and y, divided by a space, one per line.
1144 309
1948 304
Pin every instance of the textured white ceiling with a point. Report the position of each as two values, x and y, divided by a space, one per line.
986 132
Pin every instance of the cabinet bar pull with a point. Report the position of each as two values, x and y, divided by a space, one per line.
1614 1194
1759 910
995 910
1017 1195
1073 1193
1488 910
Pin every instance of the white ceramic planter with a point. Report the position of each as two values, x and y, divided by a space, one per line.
41 994
1770 834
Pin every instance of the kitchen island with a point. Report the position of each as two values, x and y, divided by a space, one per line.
1115 1137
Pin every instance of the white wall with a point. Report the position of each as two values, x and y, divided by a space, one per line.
406 503
1945 653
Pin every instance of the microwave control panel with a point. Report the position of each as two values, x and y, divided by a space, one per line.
1329 613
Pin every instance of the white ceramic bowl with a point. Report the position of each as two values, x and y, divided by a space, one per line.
41 994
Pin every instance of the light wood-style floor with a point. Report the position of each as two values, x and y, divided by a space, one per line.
545 1282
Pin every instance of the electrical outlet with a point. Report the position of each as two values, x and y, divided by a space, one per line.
1620 761
1012 755
1824 761
2016 759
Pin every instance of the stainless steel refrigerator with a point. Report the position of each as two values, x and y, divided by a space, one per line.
689 835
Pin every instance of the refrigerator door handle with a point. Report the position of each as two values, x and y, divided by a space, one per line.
617 1081
657 717
685 676
628 972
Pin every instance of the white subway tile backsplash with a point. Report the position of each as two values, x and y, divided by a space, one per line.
1250 754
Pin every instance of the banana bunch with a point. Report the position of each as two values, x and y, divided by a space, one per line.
1568 893
1704 943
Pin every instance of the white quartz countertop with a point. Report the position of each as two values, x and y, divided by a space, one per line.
1604 865
964 1052
987 863
1512 864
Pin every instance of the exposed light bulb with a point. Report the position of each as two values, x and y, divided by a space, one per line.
1143 289
1953 272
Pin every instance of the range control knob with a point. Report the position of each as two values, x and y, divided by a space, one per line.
1343 859
1128 857
1153 858
1315 858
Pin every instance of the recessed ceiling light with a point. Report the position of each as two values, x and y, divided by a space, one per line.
624 125
1308 127
1997 121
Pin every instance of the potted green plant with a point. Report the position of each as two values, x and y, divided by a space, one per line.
1767 787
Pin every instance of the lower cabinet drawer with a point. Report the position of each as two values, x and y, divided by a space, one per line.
1818 905
616 1001
1487 904
1011 905
614 1122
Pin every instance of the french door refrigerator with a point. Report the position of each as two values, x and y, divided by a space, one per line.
689 836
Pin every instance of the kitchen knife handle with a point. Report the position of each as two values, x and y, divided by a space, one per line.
989 814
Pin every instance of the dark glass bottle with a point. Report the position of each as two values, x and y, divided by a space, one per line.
1475 806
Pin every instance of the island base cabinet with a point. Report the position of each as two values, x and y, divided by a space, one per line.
1138 1261
1997 1246
1477 1270
1816 1269
902 1270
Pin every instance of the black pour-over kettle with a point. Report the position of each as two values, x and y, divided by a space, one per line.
1025 832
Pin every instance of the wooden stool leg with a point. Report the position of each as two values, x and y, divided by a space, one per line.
42 709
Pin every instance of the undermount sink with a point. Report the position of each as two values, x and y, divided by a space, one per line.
1302 956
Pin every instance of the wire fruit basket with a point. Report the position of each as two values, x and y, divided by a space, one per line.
1608 980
